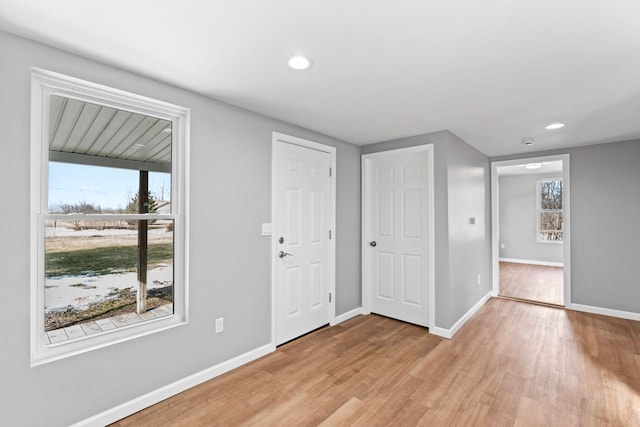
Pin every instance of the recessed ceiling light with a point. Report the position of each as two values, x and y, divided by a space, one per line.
527 142
556 125
138 146
533 166
300 62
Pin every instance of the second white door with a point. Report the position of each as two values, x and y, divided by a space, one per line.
397 234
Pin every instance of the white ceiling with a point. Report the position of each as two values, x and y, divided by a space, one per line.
492 72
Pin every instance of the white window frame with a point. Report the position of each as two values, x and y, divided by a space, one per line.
44 84
539 210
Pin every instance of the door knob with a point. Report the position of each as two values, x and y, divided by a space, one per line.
283 254
372 243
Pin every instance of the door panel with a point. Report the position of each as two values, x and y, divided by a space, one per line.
384 174
384 217
385 275
412 214
293 291
302 197
316 284
397 211
411 279
317 223
293 216
411 172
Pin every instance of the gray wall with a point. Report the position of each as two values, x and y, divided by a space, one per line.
462 250
228 145
605 231
518 220
469 244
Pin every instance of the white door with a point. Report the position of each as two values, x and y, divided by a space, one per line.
397 234
303 249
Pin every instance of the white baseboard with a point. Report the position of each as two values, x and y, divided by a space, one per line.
124 410
449 333
348 315
604 311
441 332
533 262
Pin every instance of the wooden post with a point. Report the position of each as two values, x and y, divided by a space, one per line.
143 203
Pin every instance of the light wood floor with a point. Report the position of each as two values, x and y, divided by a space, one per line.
532 282
512 364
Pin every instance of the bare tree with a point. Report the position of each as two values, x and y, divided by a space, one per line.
551 215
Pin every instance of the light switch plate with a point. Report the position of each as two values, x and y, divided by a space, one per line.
266 229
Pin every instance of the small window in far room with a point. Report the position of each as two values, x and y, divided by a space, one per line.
550 214
108 216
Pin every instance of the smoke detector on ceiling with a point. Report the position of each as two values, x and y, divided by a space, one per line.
528 142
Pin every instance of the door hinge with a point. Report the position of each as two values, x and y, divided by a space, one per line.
329 234
329 296
329 171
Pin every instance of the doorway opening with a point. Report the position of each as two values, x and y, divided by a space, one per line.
530 214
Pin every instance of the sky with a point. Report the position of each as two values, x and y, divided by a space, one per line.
106 187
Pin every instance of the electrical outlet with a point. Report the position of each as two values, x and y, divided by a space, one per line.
502 246
219 325
478 280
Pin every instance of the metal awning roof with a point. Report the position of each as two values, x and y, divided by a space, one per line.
87 133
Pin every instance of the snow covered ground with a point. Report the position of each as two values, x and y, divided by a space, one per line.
80 291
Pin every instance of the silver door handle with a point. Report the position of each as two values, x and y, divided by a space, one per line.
283 254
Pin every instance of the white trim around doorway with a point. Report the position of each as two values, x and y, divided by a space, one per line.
495 220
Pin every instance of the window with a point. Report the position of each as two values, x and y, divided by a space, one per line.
550 215
108 216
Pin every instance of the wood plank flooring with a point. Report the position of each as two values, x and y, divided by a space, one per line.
512 364
532 282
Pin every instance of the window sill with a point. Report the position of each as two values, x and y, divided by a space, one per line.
48 351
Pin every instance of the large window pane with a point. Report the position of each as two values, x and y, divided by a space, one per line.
551 226
91 275
550 216
75 188
113 167
551 195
